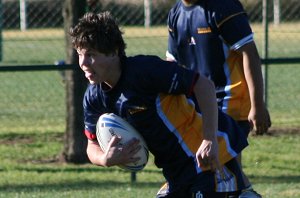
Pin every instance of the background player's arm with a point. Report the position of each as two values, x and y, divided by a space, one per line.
258 116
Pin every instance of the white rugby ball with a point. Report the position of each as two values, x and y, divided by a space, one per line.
110 125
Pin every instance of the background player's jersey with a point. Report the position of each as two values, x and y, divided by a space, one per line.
169 124
203 37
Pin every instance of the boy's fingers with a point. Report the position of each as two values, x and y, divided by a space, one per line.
114 141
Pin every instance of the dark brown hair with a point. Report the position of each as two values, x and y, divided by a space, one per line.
99 32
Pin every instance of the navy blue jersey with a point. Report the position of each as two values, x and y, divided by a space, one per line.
151 96
204 38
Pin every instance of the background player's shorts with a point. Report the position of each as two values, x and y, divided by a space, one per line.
245 126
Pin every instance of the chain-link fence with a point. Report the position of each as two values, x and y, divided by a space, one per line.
32 33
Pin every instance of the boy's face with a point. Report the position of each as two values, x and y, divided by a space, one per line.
95 65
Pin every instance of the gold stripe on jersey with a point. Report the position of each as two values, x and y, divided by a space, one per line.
229 17
237 103
182 119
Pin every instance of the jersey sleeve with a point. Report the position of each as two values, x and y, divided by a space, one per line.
229 18
171 53
92 110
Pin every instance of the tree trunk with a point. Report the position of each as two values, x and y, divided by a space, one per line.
75 141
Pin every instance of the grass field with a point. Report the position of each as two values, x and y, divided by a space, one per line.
28 170
32 121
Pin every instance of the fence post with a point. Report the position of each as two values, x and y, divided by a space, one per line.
23 22
265 14
277 11
133 177
147 13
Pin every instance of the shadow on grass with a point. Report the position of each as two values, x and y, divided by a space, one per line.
105 183
274 179
111 184
92 169
77 185
21 138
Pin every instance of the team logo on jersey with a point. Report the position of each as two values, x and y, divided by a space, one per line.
136 109
199 195
204 30
192 41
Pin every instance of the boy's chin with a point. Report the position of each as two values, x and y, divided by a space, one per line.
92 82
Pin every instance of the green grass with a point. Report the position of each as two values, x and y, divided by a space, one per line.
32 102
27 170
283 94
272 163
32 121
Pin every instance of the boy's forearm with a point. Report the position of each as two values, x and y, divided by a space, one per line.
206 97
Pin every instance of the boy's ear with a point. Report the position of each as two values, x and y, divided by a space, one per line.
115 53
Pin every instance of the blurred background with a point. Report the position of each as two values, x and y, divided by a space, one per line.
32 33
